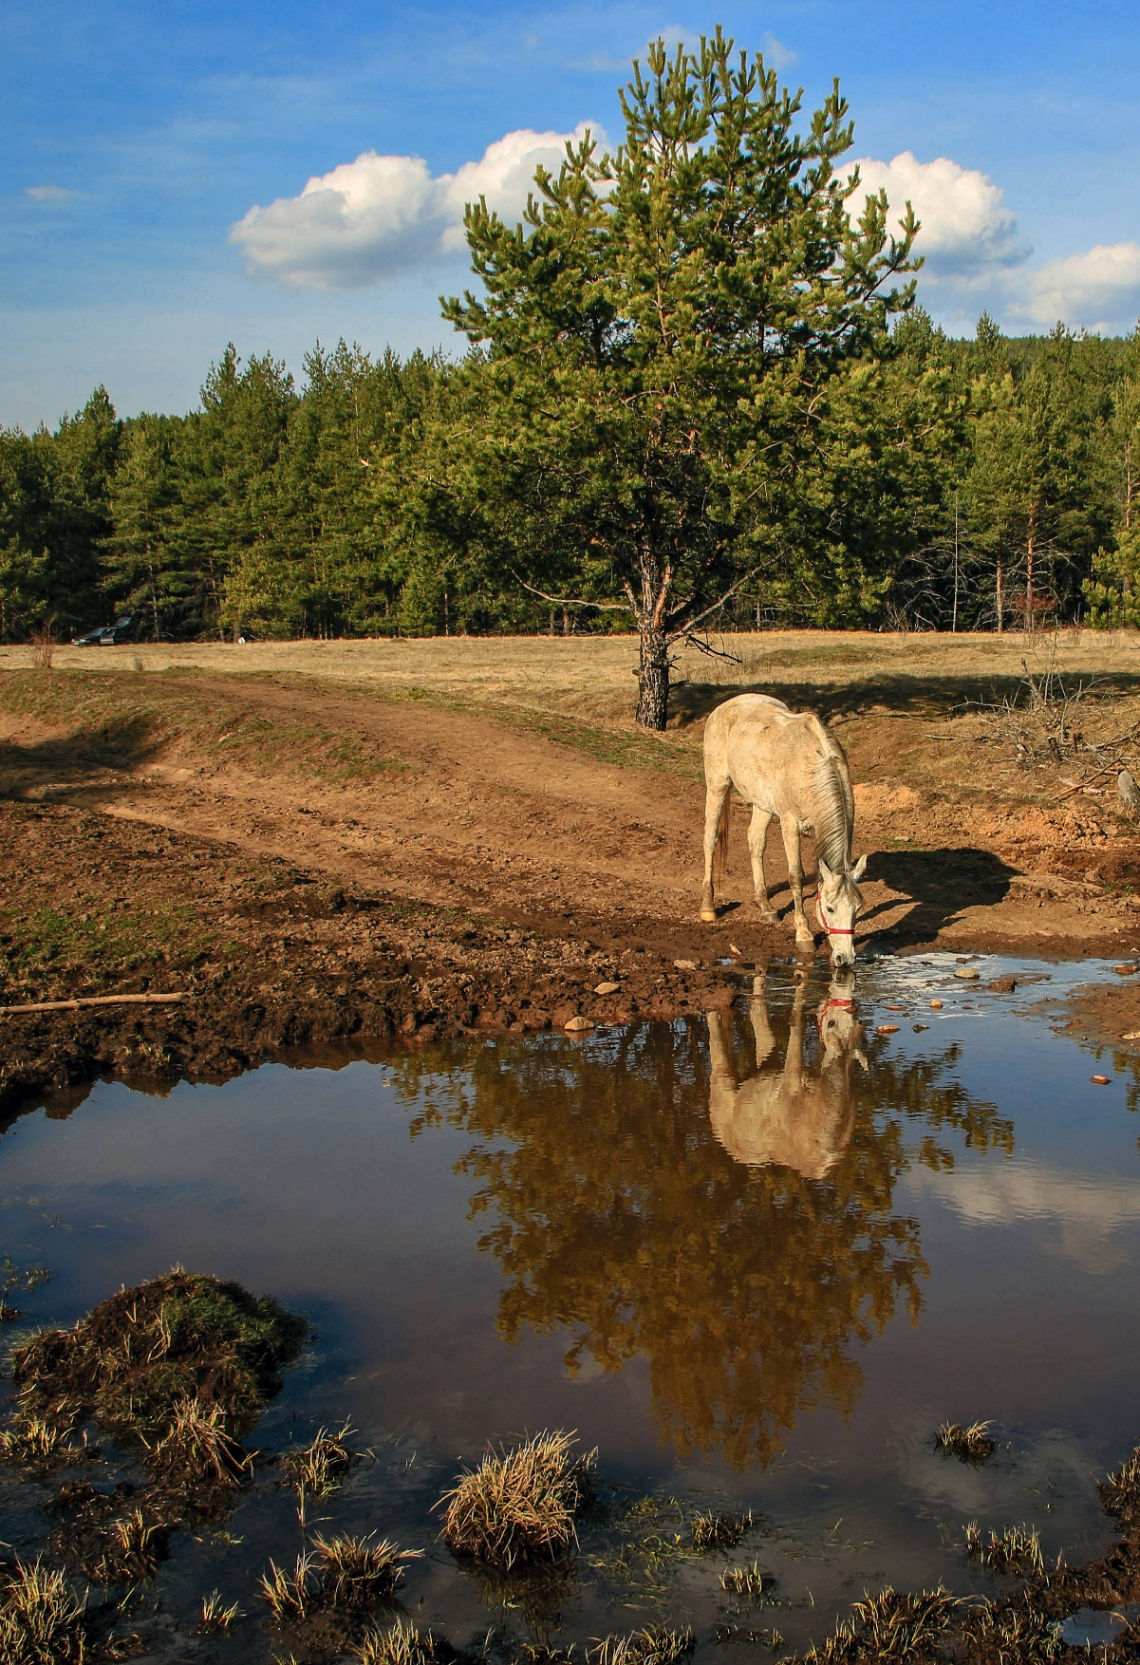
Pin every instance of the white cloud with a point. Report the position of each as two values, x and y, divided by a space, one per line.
967 228
776 53
1097 290
383 214
47 193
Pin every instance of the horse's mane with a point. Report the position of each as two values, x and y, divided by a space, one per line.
831 818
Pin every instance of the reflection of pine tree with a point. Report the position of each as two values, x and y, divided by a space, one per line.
617 1215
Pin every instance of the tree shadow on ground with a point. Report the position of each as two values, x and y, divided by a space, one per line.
940 884
933 697
67 766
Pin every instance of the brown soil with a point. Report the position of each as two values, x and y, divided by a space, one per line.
314 859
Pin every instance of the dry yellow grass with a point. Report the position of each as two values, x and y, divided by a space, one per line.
592 677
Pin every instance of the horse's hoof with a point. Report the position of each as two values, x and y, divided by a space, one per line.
708 916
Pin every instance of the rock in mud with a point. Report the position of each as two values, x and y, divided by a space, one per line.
968 973
578 1025
607 988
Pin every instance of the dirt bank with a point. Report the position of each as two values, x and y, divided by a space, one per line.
311 859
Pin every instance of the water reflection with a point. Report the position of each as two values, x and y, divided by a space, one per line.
793 1115
616 1212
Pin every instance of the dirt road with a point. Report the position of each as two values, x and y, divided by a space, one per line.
457 842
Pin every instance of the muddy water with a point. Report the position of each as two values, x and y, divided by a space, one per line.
754 1261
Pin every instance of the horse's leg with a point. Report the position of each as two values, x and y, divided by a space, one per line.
716 808
805 936
761 1023
757 837
723 1083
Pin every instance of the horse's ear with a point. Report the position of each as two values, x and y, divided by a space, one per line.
825 872
859 869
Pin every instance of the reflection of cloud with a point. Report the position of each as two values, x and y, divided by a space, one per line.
380 214
1088 1208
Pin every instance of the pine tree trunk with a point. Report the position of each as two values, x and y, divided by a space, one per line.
653 678
1000 598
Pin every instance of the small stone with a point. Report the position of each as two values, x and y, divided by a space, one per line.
1132 1035
1099 1080
919 1027
1124 970
887 1029
968 973
577 1025
685 965
936 1005
607 988
894 1008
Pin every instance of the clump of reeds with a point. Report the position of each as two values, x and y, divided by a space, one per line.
712 1531
41 1618
972 1444
132 1549
342 1574
653 1645
890 1625
35 1443
290 1596
519 1505
1012 1550
216 1618
197 1451
319 1468
357 1573
401 1644
1120 1493
749 1582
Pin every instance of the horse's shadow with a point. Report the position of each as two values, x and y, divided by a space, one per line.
940 884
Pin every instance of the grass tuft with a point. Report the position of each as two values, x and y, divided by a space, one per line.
712 1531
31 1442
290 1596
749 1582
215 1617
973 1444
519 1505
653 1645
889 1625
132 1549
320 1468
41 1618
355 1573
1013 1550
401 1644
1120 1493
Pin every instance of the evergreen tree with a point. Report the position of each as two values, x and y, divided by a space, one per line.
658 335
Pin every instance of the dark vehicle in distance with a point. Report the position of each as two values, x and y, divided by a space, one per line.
106 636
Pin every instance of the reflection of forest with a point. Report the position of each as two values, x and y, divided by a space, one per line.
617 1213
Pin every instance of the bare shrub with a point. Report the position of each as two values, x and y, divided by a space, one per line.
43 643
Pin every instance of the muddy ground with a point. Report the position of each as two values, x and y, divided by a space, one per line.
312 856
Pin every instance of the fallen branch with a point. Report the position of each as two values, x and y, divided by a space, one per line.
91 1000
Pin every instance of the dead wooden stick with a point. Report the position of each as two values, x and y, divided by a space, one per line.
91 1000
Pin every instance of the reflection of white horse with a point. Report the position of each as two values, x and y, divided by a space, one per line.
789 765
791 1117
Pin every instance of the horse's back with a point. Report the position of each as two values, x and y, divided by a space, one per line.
755 739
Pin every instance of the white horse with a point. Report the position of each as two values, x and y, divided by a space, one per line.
785 764
792 1117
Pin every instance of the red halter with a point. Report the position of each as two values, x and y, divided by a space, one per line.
832 930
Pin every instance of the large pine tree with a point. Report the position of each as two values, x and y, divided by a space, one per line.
656 337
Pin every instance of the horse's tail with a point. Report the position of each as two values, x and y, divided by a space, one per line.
720 850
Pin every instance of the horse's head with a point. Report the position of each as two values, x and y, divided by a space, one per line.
840 901
839 1028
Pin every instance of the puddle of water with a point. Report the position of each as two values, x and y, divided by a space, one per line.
755 1260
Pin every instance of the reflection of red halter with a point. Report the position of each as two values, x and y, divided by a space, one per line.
840 1005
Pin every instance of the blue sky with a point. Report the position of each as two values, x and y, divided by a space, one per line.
137 138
